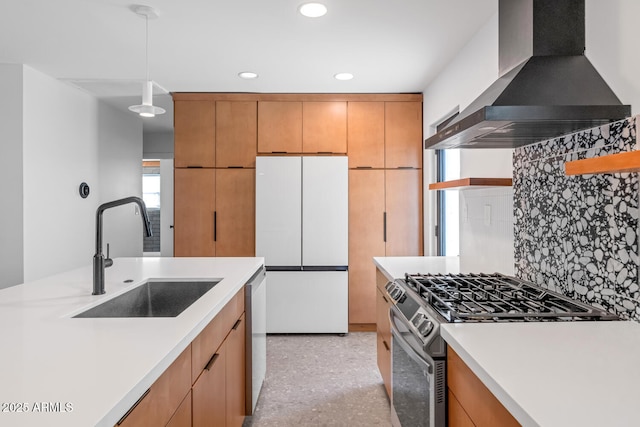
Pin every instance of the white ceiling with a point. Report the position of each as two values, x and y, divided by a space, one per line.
201 45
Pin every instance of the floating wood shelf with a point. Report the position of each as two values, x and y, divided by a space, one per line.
628 161
469 183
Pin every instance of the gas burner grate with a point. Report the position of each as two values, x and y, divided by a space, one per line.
495 297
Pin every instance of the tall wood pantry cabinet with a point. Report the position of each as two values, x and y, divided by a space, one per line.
214 178
385 194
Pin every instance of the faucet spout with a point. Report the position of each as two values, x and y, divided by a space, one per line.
99 261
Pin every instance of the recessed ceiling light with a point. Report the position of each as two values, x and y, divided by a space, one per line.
312 10
248 75
343 76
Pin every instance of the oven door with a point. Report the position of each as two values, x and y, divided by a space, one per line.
415 400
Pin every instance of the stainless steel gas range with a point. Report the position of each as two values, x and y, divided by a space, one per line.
423 302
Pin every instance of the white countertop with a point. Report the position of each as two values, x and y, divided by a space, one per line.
556 374
396 267
546 374
98 366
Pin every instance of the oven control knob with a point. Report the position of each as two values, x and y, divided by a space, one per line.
396 293
418 319
426 327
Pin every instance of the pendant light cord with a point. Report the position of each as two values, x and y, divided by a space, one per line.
146 20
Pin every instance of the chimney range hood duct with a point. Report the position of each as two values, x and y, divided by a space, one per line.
547 86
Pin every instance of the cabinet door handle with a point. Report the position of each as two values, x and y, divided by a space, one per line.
384 227
235 325
386 345
215 226
385 299
211 361
124 417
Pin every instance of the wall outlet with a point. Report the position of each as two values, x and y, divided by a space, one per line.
487 215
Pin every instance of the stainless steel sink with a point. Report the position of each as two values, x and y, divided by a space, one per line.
152 299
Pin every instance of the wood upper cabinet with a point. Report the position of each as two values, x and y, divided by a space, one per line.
403 134
194 207
280 127
324 127
194 133
365 134
366 240
403 197
235 371
236 133
235 212
164 397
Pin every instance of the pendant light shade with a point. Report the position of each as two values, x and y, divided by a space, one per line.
147 109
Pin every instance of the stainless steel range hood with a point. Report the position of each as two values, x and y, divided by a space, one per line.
547 86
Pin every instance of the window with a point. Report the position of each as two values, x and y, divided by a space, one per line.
151 190
447 215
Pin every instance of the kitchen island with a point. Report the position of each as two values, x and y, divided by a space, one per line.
546 374
60 370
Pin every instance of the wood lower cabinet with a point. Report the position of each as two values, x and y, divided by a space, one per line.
182 417
194 134
383 331
235 371
280 127
209 392
214 213
218 368
469 396
164 397
324 127
457 417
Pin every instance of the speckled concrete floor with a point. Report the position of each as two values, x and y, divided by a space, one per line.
322 380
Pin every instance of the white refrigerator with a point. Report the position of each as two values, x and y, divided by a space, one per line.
302 213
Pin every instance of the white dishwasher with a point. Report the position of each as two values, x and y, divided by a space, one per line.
256 337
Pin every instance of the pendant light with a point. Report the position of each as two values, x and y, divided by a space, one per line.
147 109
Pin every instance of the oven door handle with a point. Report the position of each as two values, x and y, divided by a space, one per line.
426 367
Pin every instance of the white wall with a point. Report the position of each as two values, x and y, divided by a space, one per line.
70 137
120 175
158 145
11 238
612 35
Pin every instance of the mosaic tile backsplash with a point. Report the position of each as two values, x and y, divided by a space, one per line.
578 235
